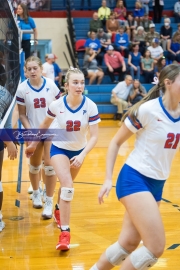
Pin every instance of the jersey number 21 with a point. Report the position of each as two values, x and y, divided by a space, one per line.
172 140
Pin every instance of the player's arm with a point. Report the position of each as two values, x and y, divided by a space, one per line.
23 117
32 147
121 136
78 160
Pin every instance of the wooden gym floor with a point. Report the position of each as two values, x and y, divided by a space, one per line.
29 243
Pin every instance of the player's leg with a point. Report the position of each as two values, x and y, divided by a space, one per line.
150 227
74 173
34 169
2 224
116 253
50 180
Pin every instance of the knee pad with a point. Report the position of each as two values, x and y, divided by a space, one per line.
33 169
67 194
1 188
142 258
42 165
116 254
49 170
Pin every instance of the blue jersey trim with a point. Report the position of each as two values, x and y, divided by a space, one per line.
39 88
166 112
74 111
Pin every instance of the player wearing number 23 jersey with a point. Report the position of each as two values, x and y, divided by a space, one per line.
37 101
74 122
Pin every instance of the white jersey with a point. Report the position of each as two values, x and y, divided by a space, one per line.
37 101
73 124
48 69
157 140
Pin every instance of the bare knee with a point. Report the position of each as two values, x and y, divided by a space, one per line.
156 247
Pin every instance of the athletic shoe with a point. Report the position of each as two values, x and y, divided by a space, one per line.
2 225
64 241
44 195
30 189
56 217
48 209
37 202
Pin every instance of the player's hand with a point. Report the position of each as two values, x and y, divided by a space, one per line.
77 161
12 150
104 191
30 150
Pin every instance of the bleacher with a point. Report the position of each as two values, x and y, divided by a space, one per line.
101 94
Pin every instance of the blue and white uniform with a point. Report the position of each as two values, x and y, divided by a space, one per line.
157 140
72 123
37 101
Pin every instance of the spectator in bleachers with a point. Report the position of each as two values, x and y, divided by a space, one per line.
89 4
178 30
94 43
146 22
156 50
124 3
57 71
95 23
137 92
131 26
147 65
120 95
145 5
173 47
115 64
134 61
139 39
160 65
121 43
138 13
104 39
165 33
158 6
112 25
151 34
104 13
120 12
177 11
90 64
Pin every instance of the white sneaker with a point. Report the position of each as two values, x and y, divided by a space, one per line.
44 196
2 225
30 189
37 202
48 209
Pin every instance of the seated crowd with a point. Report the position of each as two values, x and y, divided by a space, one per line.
128 44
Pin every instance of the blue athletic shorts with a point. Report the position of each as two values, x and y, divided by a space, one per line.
60 151
131 181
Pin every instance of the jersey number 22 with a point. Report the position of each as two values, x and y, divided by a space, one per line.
73 125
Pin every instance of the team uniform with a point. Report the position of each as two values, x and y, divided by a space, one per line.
37 101
73 124
157 140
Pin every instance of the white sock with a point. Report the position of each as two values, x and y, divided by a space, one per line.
49 198
1 215
35 192
44 187
94 267
64 227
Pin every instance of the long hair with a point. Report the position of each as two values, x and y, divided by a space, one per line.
169 72
25 12
71 71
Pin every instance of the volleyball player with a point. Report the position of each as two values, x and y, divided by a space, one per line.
156 122
74 114
33 97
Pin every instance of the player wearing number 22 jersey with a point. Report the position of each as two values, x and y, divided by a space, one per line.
74 122
37 100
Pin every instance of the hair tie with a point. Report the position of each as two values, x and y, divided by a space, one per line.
156 81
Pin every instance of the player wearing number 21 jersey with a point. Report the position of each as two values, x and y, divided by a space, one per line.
37 101
74 122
